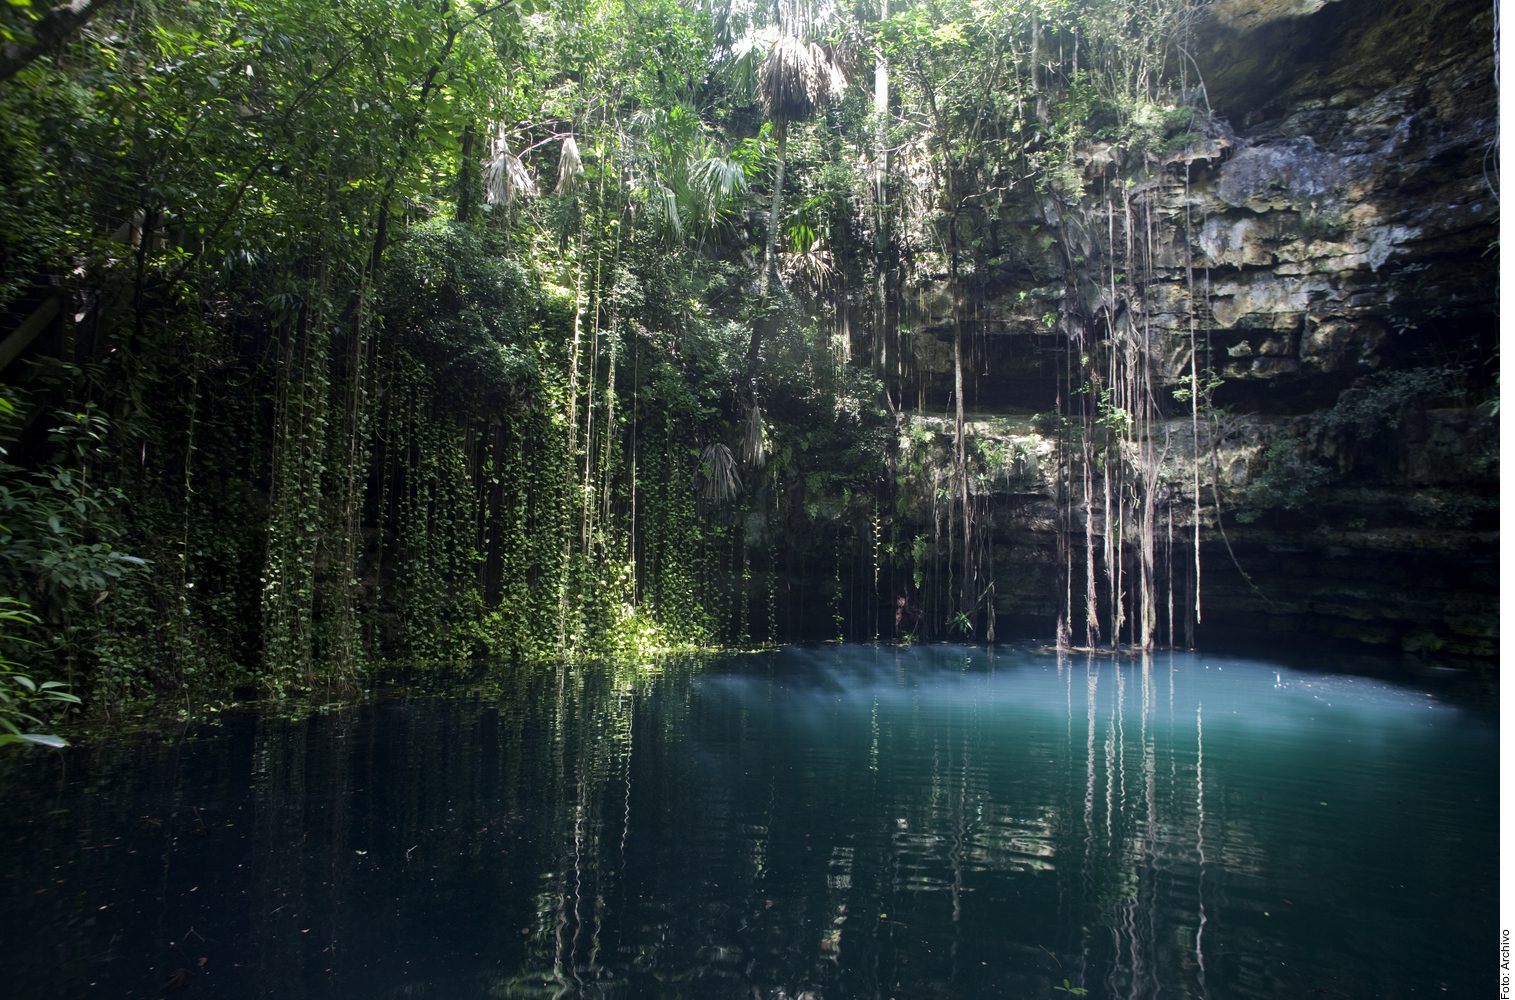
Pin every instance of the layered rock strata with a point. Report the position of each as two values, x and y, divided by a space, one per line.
1326 245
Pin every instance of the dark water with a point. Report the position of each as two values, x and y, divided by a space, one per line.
830 823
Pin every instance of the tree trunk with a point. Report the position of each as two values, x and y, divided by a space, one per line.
881 202
770 256
1036 37
469 181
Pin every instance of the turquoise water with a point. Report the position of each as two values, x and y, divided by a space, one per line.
825 822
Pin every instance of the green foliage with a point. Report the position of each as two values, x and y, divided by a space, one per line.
1291 479
455 303
1451 509
24 701
1114 419
1288 481
355 415
1048 423
1378 402
57 524
1207 382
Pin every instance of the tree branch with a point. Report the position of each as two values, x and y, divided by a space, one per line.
51 32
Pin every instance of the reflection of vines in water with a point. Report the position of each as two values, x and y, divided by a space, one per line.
562 749
590 720
587 829
1124 854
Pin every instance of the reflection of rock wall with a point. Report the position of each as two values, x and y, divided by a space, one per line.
1341 225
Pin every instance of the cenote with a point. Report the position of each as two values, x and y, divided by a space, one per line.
824 822
909 347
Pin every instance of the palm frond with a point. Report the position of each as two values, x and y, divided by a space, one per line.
717 478
831 78
742 68
811 267
754 443
506 180
570 167
662 206
721 178
717 182
807 263
797 77
786 79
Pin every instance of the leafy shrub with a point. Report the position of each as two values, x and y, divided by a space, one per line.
22 699
57 525
460 308
1288 481
1377 402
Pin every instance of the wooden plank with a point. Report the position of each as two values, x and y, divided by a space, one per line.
19 339
22 336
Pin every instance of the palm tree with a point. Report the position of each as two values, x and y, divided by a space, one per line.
795 79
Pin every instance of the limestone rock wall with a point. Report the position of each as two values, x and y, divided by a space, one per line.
1328 248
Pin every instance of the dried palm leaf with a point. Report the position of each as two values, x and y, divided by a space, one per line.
786 79
717 479
754 444
797 77
506 180
831 79
570 167
812 267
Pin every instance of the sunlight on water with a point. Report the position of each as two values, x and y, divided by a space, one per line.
825 822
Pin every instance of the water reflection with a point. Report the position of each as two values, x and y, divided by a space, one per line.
823 822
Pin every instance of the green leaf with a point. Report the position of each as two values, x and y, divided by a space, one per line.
44 739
